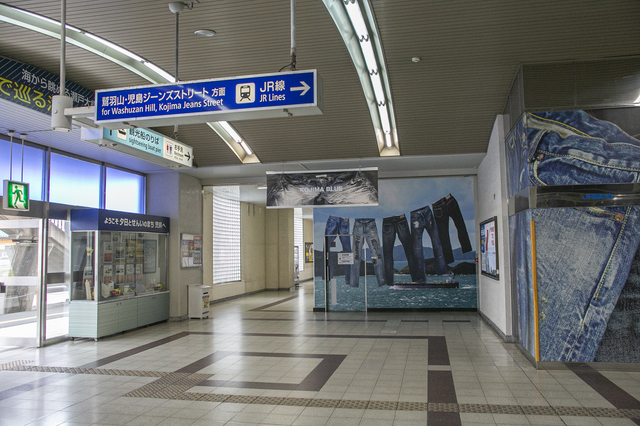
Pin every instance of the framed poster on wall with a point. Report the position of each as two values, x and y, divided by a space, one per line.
308 252
489 248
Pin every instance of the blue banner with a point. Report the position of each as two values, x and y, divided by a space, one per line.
111 220
33 88
280 90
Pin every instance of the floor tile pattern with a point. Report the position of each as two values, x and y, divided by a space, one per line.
268 359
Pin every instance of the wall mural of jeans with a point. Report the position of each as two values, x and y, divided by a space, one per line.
586 289
392 262
443 209
392 226
366 230
338 227
422 220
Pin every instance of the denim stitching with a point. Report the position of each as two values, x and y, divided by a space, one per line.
590 161
593 137
606 270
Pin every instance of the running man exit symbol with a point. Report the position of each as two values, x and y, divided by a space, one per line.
16 195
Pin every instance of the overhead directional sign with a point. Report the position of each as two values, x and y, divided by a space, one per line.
142 143
236 98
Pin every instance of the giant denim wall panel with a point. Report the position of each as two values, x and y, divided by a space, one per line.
416 249
587 269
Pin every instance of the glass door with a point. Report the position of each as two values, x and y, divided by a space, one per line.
20 280
345 283
58 280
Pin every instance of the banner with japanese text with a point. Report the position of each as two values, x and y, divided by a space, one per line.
33 87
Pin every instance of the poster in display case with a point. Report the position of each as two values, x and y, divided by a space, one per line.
489 248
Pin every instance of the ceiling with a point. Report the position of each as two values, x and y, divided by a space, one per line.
445 104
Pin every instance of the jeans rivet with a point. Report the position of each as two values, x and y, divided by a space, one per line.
540 157
619 217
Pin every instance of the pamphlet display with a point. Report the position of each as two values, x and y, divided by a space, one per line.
118 274
191 247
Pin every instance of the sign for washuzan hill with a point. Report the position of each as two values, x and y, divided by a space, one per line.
234 98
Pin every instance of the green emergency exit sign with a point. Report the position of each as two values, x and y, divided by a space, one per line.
16 195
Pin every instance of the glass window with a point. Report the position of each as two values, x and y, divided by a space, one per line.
33 166
226 234
124 191
74 182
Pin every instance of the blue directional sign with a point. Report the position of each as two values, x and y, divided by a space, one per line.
237 98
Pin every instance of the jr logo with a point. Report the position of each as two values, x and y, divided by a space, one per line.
597 196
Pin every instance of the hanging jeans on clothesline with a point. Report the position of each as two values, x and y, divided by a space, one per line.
443 209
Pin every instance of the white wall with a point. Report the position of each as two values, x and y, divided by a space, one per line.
307 226
179 197
494 296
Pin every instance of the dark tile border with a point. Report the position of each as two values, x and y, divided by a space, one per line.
286 299
617 396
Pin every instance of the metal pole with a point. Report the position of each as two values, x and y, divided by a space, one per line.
177 27
22 161
175 127
10 156
63 46
293 35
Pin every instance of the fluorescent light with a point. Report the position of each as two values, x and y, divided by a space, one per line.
115 47
384 118
637 101
232 132
376 82
160 71
246 148
355 15
369 56
387 137
35 15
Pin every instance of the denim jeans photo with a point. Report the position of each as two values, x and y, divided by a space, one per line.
584 255
443 209
366 230
338 226
423 220
392 226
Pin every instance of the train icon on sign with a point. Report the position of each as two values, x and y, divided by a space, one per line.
245 93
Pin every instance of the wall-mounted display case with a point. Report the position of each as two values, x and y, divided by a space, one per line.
119 270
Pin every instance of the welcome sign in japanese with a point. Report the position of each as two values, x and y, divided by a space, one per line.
33 88
187 99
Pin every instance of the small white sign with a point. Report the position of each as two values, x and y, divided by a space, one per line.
245 93
345 258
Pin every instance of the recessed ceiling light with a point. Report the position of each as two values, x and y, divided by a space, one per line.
416 59
204 33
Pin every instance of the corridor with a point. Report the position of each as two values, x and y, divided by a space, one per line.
269 359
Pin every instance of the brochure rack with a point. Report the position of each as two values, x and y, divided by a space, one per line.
119 273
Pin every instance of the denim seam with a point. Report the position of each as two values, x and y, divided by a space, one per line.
594 118
566 126
606 270
590 161
535 142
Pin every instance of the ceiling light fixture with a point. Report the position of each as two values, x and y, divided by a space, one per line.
87 41
204 33
236 142
356 23
120 56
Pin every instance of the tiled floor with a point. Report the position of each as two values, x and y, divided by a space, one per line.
268 359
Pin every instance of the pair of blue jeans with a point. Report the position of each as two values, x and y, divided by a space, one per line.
338 227
422 220
443 209
392 226
584 254
366 230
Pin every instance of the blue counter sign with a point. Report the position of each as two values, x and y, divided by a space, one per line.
256 96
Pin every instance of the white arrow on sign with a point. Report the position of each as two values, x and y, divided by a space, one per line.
305 88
